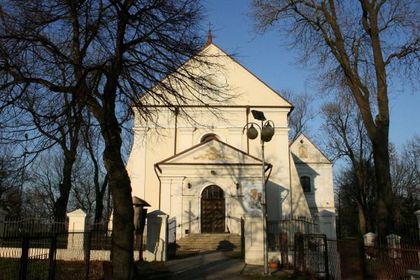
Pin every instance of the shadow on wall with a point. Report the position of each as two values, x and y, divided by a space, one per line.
155 244
303 169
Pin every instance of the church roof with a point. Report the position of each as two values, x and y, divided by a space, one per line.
212 152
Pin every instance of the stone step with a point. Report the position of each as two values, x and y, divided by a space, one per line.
221 241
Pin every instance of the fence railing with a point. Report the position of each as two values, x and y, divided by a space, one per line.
42 257
280 234
38 227
311 254
334 259
390 262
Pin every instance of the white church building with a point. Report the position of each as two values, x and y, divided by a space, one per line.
206 174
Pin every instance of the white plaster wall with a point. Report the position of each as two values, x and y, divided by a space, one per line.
184 203
322 193
155 141
155 144
311 162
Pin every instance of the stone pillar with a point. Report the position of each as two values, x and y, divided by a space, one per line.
254 245
157 237
369 239
394 245
77 222
327 223
3 214
413 274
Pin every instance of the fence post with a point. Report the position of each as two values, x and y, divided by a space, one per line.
87 252
362 252
77 222
417 213
24 258
327 269
394 246
369 239
52 257
157 236
242 238
299 252
3 214
284 250
254 242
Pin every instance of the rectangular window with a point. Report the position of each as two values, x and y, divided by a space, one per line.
305 181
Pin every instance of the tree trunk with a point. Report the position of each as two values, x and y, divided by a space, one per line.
100 194
119 183
362 218
384 205
60 206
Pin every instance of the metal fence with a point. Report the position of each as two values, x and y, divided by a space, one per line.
40 249
387 262
317 256
280 234
311 254
334 259
38 227
80 254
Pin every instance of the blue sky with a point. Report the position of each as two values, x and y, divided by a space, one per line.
267 56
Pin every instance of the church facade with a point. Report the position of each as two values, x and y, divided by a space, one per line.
206 174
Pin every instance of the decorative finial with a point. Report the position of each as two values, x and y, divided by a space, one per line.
209 36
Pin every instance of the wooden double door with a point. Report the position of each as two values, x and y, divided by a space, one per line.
213 210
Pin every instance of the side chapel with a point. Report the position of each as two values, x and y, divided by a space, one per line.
206 174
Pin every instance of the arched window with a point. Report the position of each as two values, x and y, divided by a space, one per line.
305 181
208 137
213 192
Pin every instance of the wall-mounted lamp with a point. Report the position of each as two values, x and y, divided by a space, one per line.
189 185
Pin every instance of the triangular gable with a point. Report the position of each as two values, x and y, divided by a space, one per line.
305 151
214 152
238 83
251 89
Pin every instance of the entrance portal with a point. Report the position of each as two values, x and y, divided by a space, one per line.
213 210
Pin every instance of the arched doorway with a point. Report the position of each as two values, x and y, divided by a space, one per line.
212 210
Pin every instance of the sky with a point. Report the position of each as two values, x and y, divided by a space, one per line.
268 56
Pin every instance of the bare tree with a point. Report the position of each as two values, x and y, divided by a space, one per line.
112 53
49 122
12 178
355 214
360 45
405 172
347 139
43 191
91 140
302 114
